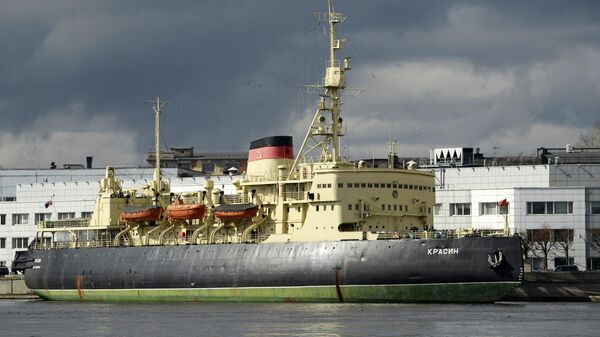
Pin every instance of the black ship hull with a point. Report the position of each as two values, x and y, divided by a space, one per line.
474 269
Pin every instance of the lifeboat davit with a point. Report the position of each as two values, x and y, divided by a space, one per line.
235 211
181 211
138 214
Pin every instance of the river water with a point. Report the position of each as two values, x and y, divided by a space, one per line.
41 318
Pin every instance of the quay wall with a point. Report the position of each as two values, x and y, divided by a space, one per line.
557 286
13 286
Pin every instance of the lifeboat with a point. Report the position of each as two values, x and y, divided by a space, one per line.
138 214
181 211
235 211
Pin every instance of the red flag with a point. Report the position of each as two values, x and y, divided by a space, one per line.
48 204
503 203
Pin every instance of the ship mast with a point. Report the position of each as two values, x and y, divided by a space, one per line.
157 106
327 137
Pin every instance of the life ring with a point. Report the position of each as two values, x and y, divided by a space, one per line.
495 258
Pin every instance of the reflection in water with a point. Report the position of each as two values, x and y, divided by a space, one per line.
40 318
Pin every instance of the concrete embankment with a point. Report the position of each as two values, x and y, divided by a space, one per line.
13 286
557 286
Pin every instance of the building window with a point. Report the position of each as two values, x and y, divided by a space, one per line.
41 217
437 209
18 243
550 207
86 215
460 209
20 219
2 243
208 167
592 207
492 208
66 215
2 219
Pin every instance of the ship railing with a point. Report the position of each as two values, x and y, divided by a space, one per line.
232 199
333 63
265 176
63 223
223 239
439 234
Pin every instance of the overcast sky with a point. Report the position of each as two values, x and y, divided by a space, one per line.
75 75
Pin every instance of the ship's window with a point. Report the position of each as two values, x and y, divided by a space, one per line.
369 185
389 207
349 185
392 186
356 185
406 208
347 227
395 207
317 208
429 210
318 185
420 188
332 207
328 186
434 189
405 186
298 209
349 207
383 185
382 207
356 207
340 185
411 187
376 186
363 185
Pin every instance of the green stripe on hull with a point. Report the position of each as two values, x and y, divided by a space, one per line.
446 292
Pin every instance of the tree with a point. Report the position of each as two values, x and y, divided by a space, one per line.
527 245
564 239
591 138
543 241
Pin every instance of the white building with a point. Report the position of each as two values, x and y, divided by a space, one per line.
552 198
30 196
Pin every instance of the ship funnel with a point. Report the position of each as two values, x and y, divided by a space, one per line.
266 154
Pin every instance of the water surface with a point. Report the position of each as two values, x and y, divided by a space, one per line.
41 318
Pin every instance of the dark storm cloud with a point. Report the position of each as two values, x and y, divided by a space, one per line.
70 69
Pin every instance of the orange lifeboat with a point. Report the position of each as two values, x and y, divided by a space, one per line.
181 211
138 214
235 211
